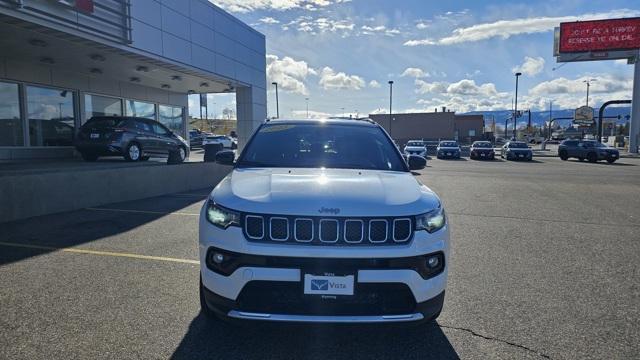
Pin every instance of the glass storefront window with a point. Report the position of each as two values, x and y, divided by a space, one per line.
10 123
51 116
171 117
95 105
140 109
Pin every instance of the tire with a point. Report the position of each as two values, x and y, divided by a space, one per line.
177 157
87 156
592 157
563 155
611 160
133 152
580 159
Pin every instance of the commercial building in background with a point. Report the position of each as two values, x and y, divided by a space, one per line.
444 125
62 62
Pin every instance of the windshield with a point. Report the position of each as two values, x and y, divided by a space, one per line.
317 145
482 145
518 145
415 143
448 144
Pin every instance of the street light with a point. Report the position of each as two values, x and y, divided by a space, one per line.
390 107
588 82
307 99
515 108
277 101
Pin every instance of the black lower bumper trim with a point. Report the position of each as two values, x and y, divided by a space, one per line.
221 306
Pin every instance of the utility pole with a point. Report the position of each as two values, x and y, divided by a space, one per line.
588 82
277 101
390 107
550 116
307 107
515 115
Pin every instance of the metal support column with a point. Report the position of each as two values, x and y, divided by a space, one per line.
634 124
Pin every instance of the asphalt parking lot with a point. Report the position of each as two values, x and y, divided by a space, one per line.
545 265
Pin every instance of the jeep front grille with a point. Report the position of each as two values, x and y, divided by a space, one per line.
327 230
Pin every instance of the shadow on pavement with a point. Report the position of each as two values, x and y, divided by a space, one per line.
209 339
83 226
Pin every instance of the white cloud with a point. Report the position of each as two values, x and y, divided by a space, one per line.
374 84
507 28
302 114
424 87
530 66
421 25
269 20
290 74
311 25
331 80
414 73
244 6
469 87
605 83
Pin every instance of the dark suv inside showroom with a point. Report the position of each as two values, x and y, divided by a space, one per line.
136 139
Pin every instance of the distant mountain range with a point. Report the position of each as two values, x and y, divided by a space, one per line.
538 118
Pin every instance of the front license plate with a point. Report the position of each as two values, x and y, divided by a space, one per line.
95 136
521 155
448 154
482 155
328 285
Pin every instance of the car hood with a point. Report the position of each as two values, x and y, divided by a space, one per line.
414 148
448 148
518 149
329 192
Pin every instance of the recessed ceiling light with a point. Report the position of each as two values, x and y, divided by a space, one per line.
47 60
38 42
97 57
142 68
176 77
204 84
134 79
95 71
166 86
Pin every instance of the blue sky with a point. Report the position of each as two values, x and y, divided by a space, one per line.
461 54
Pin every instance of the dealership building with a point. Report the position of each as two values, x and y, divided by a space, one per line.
444 125
65 61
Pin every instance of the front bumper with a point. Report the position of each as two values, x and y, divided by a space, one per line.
389 284
226 308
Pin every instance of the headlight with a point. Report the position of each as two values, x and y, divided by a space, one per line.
221 217
431 221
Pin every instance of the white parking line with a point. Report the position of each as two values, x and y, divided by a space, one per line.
143 211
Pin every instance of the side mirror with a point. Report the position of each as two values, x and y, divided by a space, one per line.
225 157
416 162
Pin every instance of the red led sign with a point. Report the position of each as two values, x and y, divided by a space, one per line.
600 35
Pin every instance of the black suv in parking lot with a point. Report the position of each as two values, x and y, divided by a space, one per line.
587 149
136 139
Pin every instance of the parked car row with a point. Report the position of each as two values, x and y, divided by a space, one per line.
479 150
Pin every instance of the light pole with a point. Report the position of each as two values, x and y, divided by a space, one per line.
277 102
550 116
515 107
588 82
390 107
307 99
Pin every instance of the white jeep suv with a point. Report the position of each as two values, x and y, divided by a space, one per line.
322 221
